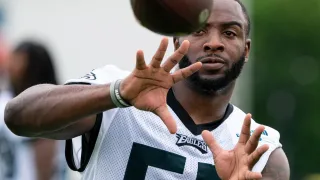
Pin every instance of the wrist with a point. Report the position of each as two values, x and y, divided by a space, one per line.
116 96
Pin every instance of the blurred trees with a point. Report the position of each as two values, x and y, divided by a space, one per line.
286 88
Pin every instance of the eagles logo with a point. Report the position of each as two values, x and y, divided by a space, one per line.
184 140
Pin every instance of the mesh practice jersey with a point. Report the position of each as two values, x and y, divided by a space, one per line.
127 143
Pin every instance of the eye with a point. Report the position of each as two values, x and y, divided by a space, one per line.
199 32
229 33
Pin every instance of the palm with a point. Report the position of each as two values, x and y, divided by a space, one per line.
147 86
238 162
233 159
151 98
225 159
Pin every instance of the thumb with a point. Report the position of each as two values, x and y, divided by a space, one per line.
167 118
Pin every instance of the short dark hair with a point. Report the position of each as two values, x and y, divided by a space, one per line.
40 68
246 14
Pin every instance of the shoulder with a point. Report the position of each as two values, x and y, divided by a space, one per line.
102 75
270 135
277 167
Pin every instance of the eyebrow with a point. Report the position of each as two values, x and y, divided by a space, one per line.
232 23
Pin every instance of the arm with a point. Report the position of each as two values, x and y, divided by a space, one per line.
57 111
63 112
277 167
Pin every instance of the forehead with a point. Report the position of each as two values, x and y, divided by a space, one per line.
226 11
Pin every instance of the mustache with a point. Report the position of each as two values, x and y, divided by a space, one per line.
212 56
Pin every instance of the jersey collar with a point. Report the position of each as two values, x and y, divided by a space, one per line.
188 121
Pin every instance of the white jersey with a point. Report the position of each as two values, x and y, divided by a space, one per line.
127 143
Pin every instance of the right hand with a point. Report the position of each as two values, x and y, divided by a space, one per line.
238 162
146 88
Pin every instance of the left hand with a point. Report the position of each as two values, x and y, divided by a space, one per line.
146 88
237 163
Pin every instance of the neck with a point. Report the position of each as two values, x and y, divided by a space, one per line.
203 108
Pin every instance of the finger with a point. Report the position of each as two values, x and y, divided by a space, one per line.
212 143
186 72
253 175
253 141
157 58
140 62
254 157
166 117
245 131
176 56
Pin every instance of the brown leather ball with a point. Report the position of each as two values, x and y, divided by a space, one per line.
172 17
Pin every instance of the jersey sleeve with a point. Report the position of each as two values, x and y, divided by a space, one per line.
78 150
271 137
101 75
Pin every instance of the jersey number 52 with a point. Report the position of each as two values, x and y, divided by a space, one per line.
143 156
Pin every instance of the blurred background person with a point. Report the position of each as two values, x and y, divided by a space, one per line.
22 158
3 60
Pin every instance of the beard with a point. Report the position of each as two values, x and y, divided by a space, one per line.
211 86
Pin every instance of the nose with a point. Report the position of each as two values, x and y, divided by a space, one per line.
213 44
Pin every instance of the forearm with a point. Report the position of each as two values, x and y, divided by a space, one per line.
45 108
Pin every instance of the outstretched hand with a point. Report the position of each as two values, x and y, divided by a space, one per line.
146 88
237 164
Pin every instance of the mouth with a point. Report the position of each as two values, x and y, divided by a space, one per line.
212 60
212 63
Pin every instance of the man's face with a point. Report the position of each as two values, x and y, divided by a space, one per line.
222 47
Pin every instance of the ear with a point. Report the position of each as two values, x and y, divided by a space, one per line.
176 43
247 49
